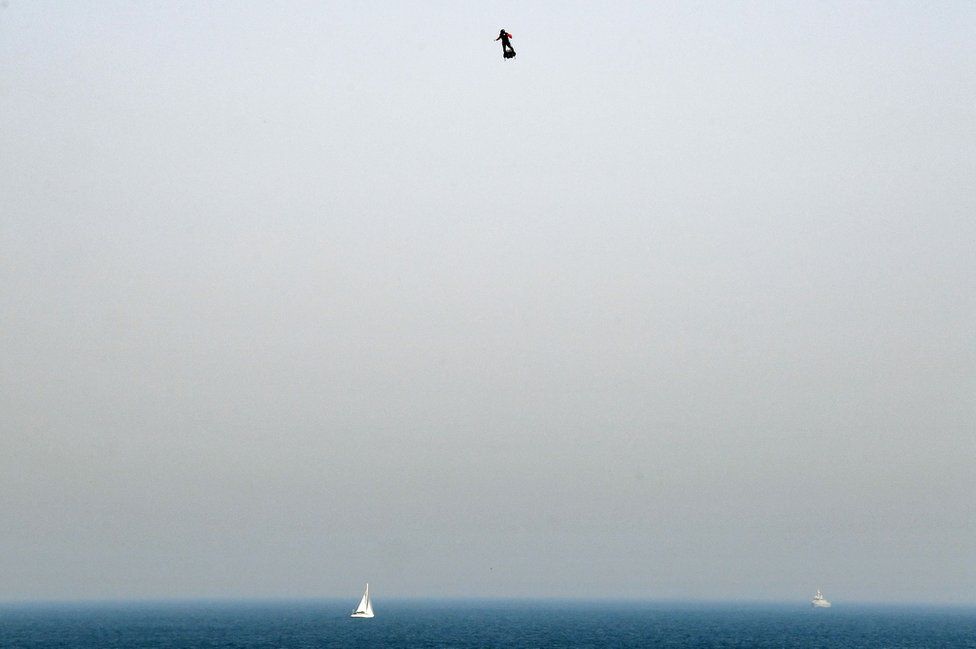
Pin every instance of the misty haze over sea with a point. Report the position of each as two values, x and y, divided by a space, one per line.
678 304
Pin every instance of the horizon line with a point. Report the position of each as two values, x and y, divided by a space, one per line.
594 599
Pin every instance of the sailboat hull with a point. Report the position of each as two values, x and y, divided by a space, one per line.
361 615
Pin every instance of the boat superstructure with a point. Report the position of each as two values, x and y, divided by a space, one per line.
819 601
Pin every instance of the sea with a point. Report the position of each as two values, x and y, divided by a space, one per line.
479 624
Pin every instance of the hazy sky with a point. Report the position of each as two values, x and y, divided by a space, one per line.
680 303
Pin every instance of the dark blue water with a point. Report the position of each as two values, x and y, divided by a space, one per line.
478 625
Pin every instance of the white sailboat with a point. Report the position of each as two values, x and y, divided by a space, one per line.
365 608
819 601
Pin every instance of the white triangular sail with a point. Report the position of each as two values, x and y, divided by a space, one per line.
365 608
369 607
364 602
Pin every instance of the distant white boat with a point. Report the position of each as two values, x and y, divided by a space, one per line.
365 608
819 601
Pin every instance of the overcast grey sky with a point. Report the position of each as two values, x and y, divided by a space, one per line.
677 304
